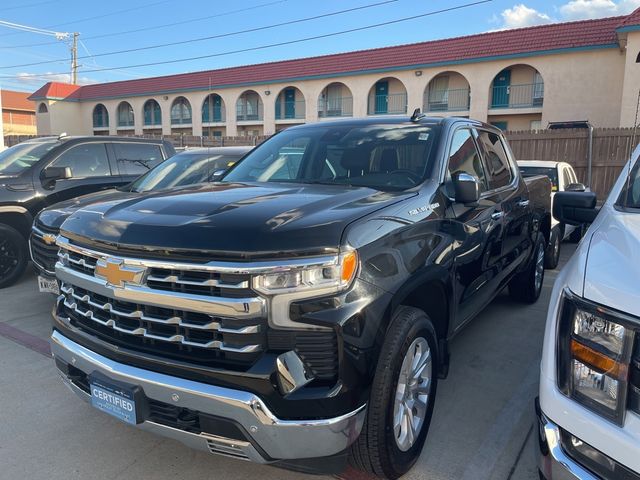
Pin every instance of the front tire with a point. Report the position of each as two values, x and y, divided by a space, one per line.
552 255
402 397
13 255
526 286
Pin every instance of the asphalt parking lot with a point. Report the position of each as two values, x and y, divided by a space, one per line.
481 429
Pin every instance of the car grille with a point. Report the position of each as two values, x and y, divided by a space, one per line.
186 312
43 254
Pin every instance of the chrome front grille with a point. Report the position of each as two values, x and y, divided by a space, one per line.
43 254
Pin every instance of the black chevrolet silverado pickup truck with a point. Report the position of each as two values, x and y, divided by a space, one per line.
298 311
40 172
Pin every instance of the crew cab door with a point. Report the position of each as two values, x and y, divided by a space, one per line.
134 159
90 172
476 230
516 209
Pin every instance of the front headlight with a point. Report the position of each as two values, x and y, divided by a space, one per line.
594 353
304 280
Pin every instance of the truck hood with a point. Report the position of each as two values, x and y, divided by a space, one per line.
611 276
231 220
53 217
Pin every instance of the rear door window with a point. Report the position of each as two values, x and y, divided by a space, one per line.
497 162
85 160
137 158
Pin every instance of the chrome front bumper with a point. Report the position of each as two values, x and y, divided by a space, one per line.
272 439
553 462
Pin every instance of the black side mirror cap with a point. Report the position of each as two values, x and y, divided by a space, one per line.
575 187
52 174
466 188
575 208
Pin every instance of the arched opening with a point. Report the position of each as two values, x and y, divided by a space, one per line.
213 110
100 116
388 96
249 107
42 108
518 86
447 92
181 112
335 100
152 114
125 115
290 104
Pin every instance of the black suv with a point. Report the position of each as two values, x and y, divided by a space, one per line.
44 171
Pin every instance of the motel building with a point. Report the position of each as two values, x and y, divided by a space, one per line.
517 79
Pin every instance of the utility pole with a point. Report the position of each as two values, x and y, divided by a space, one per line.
74 59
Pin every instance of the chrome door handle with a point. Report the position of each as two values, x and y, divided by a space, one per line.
523 203
497 215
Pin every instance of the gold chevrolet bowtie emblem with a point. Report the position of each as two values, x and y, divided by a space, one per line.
116 273
49 238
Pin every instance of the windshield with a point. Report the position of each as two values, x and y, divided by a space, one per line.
551 172
18 158
383 157
183 169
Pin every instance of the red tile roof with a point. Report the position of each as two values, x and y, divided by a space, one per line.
516 42
632 20
54 90
12 100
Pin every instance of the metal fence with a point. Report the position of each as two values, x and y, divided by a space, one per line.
611 150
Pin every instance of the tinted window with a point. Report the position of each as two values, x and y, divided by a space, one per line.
495 159
551 172
18 158
86 160
377 156
137 158
464 157
630 196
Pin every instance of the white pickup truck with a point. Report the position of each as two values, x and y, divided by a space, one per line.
563 179
589 404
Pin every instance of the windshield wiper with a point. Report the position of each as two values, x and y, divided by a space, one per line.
144 163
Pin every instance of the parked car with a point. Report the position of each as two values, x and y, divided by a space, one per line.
40 172
589 404
300 308
563 178
188 167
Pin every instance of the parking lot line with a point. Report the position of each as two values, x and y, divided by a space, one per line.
25 339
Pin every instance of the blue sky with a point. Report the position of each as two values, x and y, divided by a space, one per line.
110 19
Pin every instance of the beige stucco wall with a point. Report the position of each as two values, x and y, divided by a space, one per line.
631 82
577 86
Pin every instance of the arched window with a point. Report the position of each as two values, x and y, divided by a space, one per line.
125 115
335 100
249 106
181 112
42 108
100 116
213 109
152 113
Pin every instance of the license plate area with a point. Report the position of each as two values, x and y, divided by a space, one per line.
120 400
48 285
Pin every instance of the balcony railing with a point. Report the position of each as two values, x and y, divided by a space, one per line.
214 115
288 109
529 95
335 107
389 104
248 113
449 100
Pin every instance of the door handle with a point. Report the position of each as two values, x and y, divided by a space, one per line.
523 203
497 215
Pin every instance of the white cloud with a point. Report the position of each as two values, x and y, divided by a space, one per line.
582 9
522 16
39 78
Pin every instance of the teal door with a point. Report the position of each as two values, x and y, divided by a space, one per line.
290 103
382 97
501 87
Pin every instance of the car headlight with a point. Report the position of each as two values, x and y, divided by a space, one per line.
594 353
304 280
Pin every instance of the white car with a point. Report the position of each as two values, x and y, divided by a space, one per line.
563 179
589 403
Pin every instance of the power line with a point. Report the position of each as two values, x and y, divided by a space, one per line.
156 27
272 45
211 37
36 4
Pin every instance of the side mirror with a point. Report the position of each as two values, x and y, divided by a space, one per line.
466 188
51 174
575 208
217 175
575 187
